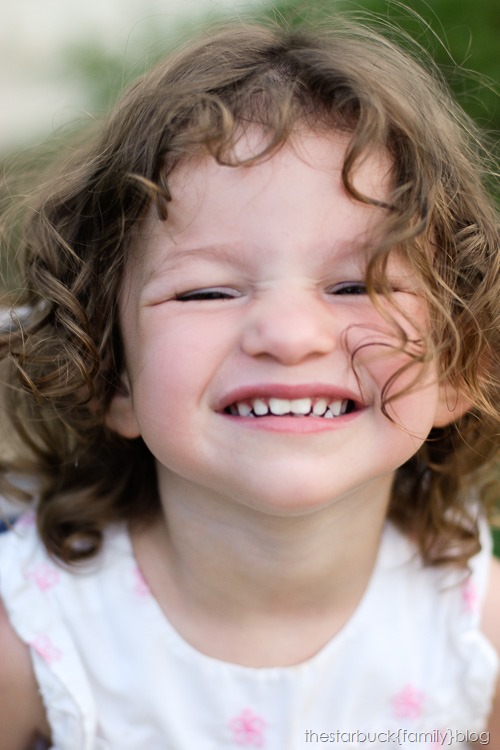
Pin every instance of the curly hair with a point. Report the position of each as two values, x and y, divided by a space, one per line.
61 363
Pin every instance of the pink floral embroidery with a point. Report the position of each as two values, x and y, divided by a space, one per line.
26 521
469 596
408 703
44 646
45 576
141 587
248 728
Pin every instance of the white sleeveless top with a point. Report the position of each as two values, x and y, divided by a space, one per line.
409 668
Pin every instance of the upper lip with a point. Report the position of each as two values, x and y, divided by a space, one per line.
286 391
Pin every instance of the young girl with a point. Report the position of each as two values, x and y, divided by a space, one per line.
256 392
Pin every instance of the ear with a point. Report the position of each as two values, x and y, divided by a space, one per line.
120 416
452 405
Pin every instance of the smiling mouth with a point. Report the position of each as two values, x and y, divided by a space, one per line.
321 408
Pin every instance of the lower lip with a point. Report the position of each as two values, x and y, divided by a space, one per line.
294 425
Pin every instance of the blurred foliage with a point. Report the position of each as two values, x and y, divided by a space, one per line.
462 37
496 542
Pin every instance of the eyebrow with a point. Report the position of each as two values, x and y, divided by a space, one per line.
231 255
173 258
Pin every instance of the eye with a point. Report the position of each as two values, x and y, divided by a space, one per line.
348 287
214 293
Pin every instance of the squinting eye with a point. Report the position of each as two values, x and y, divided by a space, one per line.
349 287
206 294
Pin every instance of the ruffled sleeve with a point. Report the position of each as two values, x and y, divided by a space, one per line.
479 658
29 580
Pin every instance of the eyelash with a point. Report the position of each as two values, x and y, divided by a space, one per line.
351 288
205 294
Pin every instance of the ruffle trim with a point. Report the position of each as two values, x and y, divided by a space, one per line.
62 681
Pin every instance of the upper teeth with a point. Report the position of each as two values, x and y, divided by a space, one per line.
319 407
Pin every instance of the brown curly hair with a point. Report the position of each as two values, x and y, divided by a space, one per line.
61 363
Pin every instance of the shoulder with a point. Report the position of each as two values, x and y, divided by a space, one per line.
491 612
22 714
491 629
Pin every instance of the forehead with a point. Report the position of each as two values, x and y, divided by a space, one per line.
319 155
296 190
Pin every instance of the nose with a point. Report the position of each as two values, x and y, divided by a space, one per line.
289 327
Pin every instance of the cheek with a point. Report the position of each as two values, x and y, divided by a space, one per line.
390 359
175 363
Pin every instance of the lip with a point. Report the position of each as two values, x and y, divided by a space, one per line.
292 424
287 391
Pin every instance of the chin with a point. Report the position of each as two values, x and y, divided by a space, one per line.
288 500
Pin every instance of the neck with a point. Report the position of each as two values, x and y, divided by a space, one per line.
239 570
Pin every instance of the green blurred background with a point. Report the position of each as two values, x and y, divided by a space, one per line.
461 35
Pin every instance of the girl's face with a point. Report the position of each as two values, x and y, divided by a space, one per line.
239 318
